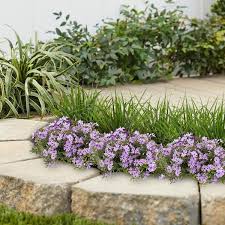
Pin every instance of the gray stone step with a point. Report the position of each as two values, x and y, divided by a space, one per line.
123 201
37 171
18 129
13 151
32 187
213 204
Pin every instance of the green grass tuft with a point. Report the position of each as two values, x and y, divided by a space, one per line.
11 217
166 121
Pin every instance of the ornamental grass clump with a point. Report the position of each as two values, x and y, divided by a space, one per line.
30 75
200 157
166 120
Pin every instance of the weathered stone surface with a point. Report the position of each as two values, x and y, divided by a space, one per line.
18 129
123 201
37 171
32 187
12 151
35 198
213 204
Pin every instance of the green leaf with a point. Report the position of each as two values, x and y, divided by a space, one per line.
58 31
67 17
62 24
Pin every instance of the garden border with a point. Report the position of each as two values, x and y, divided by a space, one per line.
81 193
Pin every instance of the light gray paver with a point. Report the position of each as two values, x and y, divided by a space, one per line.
200 89
123 201
32 187
12 151
213 204
37 171
18 129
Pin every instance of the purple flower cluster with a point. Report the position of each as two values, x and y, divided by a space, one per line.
133 153
65 141
200 157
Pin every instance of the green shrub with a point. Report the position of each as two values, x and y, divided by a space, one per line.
11 217
219 8
29 75
146 45
201 49
133 47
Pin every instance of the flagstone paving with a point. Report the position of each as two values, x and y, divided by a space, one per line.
199 89
13 151
17 130
37 171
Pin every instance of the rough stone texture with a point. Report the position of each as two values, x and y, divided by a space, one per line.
13 151
123 201
213 204
32 187
18 129
35 198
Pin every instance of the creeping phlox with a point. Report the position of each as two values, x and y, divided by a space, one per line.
131 152
201 157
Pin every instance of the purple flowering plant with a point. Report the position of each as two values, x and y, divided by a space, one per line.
66 141
200 157
134 153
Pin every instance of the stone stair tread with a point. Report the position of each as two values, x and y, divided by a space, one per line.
38 172
124 184
12 151
18 129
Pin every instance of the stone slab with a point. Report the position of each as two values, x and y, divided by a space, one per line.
13 151
32 187
38 172
213 204
18 129
122 201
